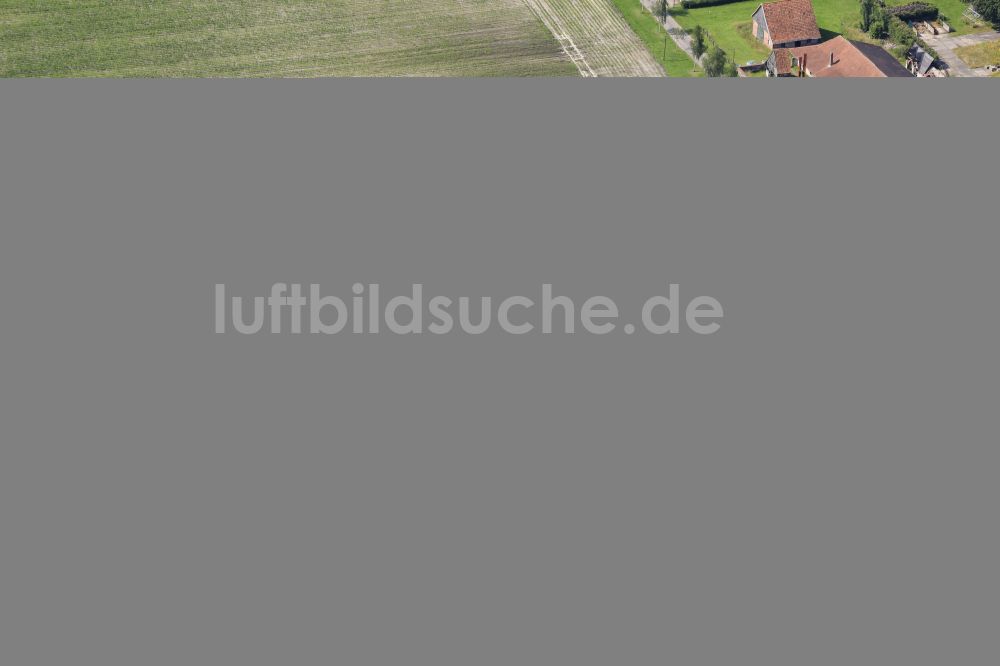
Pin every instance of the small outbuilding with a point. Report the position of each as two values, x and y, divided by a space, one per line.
920 62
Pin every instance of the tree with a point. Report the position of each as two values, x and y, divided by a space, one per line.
879 28
698 42
662 10
989 9
730 69
902 35
867 9
715 62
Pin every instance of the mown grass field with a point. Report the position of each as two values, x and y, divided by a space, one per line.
980 55
598 36
286 38
730 25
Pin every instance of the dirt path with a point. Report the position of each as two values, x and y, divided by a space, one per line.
674 29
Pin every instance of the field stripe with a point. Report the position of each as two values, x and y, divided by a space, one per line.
596 37
224 38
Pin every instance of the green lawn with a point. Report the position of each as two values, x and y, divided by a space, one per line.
951 12
729 27
730 24
651 32
210 38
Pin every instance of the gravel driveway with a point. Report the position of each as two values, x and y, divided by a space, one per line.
945 45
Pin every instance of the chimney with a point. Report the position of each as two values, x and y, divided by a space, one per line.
831 58
802 64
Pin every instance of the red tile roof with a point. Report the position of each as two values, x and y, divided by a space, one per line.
783 62
850 59
791 21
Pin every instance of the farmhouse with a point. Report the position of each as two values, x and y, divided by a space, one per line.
835 58
786 24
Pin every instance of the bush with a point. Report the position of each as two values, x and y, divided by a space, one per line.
715 62
904 37
915 11
698 41
990 10
695 4
879 26
867 9
901 34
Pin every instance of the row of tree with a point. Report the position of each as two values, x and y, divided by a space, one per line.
715 63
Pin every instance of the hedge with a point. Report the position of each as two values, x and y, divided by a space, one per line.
696 4
901 34
915 11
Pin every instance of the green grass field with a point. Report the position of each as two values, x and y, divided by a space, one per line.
951 11
729 27
287 38
730 24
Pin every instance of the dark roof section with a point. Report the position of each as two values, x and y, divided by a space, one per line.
923 59
791 21
882 59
